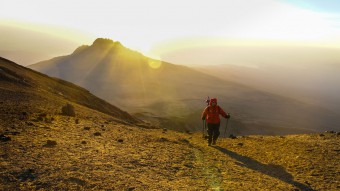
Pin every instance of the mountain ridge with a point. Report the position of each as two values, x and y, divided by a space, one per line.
140 84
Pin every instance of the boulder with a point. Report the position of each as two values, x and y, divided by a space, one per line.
68 110
4 138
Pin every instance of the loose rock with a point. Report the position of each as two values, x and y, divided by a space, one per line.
50 143
87 128
27 175
4 138
23 115
97 134
232 136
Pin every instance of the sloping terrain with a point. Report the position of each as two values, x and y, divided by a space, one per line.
173 96
22 84
130 158
41 149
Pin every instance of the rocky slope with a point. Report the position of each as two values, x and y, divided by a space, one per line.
26 88
96 155
41 149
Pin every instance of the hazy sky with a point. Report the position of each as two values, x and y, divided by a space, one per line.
156 27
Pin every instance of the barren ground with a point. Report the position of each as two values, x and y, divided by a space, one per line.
122 157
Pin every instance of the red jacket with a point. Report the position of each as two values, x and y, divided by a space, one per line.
212 113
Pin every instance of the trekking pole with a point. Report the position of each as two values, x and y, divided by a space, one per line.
225 132
203 128
204 125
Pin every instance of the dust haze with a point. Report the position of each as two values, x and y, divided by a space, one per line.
308 74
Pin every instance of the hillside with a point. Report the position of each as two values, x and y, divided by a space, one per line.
27 86
41 149
173 96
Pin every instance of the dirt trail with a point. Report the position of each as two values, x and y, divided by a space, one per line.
301 162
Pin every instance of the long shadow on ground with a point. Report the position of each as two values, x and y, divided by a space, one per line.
275 171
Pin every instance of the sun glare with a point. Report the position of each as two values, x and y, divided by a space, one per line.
155 64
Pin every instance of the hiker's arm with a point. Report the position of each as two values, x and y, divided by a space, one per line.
224 114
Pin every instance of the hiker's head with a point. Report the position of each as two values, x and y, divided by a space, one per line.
213 102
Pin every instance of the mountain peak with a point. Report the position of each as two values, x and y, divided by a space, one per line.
99 43
105 42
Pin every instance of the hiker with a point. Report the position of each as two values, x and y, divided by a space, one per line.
212 116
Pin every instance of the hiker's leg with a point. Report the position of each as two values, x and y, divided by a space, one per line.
210 132
216 132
